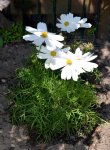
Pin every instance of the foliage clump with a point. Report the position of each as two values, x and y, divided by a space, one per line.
84 46
50 105
13 34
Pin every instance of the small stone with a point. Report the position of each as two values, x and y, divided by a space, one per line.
3 80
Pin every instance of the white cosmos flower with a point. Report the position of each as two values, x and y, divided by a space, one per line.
51 54
74 64
67 22
82 23
40 35
70 67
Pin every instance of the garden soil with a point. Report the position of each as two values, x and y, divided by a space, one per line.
17 137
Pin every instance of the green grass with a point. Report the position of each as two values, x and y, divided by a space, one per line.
50 105
13 34
91 31
1 42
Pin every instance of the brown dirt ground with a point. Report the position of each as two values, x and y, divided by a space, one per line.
17 138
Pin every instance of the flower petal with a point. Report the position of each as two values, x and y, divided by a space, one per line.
78 53
86 25
47 63
76 19
43 56
74 75
82 21
68 72
59 25
63 17
30 37
44 50
70 16
78 68
86 54
53 43
89 66
91 58
38 42
64 73
30 29
66 49
58 63
55 37
41 26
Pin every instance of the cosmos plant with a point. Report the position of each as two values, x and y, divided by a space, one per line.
55 55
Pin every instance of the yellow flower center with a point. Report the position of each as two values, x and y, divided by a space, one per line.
69 61
53 53
66 23
44 34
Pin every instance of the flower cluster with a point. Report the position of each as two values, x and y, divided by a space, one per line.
54 53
